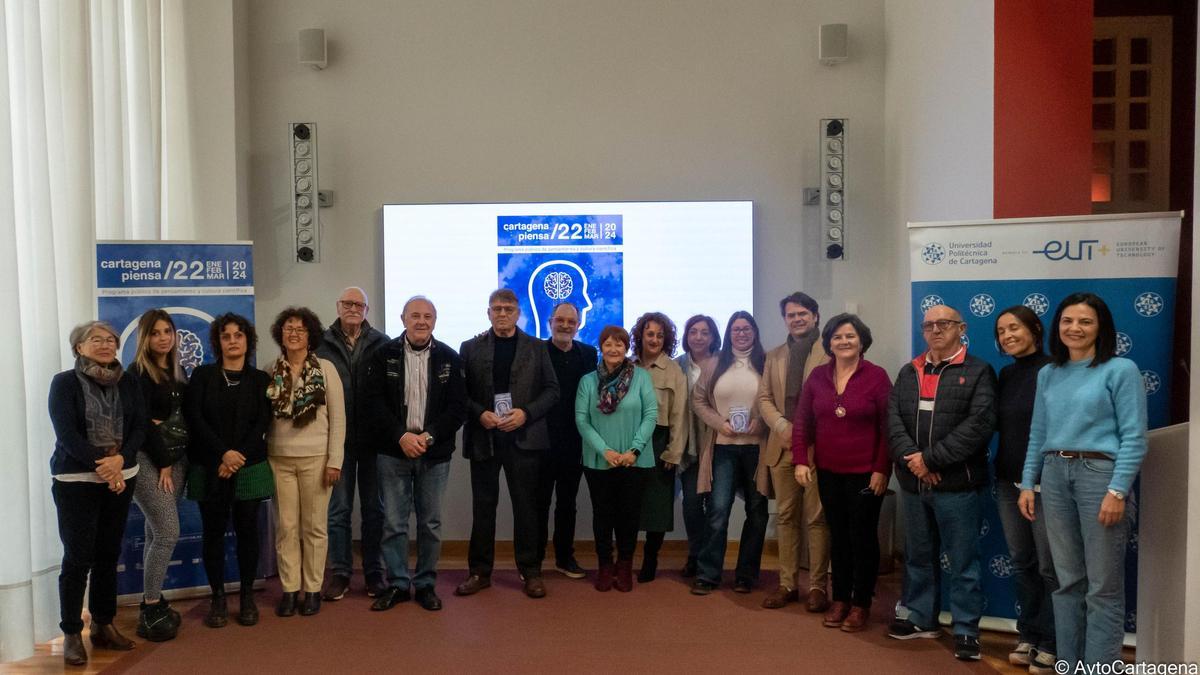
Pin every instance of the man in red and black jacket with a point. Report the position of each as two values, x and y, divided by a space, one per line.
941 416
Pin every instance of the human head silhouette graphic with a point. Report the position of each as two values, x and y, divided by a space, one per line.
553 282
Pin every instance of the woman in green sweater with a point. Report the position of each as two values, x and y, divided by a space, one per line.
616 410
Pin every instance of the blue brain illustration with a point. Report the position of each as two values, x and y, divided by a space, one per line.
191 350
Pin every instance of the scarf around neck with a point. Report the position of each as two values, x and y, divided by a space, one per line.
298 403
614 384
103 413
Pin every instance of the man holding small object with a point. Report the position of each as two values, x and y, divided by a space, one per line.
419 401
511 387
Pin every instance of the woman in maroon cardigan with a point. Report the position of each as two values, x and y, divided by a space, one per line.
840 427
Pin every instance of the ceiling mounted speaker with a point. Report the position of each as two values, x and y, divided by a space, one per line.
312 48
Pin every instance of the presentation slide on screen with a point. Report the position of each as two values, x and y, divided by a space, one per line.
613 260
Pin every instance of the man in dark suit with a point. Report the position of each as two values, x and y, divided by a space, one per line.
562 467
510 388
419 400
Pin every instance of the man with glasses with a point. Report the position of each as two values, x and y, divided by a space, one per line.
940 417
799 507
349 344
511 387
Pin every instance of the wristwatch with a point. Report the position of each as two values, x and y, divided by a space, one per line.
636 452
428 438
1117 493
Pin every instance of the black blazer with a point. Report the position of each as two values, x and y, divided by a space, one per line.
208 437
445 402
533 386
72 452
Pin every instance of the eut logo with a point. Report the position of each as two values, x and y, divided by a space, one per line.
1080 249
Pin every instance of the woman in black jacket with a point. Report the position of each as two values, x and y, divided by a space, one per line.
99 426
163 464
228 413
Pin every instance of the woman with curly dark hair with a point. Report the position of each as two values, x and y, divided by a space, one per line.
305 446
653 343
227 414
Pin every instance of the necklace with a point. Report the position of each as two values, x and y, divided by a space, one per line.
231 382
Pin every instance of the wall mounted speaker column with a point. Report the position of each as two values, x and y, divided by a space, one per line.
307 238
833 187
312 48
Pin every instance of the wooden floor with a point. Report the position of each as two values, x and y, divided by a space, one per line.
48 656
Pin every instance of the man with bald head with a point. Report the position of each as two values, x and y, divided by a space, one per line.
941 416
349 343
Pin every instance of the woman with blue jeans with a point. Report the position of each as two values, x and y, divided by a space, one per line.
725 398
700 342
1086 442
1019 334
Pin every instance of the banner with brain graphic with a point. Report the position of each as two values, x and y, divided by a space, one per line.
549 259
194 282
982 267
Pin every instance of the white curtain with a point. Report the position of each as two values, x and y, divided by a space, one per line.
81 118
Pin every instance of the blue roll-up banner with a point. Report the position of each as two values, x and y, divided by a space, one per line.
982 267
194 282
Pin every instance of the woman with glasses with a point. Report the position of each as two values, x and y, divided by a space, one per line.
227 413
1018 332
164 466
99 427
305 447
1086 444
700 343
842 417
725 397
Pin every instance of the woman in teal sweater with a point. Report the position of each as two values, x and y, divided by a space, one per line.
616 410
1086 443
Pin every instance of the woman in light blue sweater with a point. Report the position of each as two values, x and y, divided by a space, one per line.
1086 443
616 410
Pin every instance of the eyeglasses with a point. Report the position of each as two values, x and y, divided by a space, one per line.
742 330
503 309
97 340
292 330
351 304
941 325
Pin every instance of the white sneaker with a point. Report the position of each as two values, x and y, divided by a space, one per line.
1022 654
1042 664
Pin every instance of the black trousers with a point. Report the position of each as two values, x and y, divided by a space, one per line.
214 515
559 480
616 508
91 524
852 513
521 472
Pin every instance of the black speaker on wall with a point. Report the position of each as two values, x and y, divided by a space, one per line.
833 187
304 187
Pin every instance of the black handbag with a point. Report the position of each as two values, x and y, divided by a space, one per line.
174 432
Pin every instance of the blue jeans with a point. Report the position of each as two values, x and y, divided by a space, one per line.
405 484
733 468
1089 558
695 510
1033 577
936 522
341 506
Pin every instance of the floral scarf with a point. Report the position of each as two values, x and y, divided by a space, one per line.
297 403
614 384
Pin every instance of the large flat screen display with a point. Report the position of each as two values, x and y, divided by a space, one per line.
613 260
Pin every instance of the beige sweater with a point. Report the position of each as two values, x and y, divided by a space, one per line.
325 435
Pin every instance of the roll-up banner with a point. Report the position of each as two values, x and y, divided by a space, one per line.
981 267
194 282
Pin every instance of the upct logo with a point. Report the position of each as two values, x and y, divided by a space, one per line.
1080 249
933 254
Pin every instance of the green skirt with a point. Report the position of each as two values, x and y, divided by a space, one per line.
254 481
658 495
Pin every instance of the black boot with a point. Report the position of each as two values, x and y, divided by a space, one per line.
218 614
312 604
287 604
74 653
155 622
247 610
654 541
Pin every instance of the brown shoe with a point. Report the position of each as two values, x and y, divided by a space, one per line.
473 585
535 587
856 620
780 598
623 580
836 614
817 602
74 653
106 636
